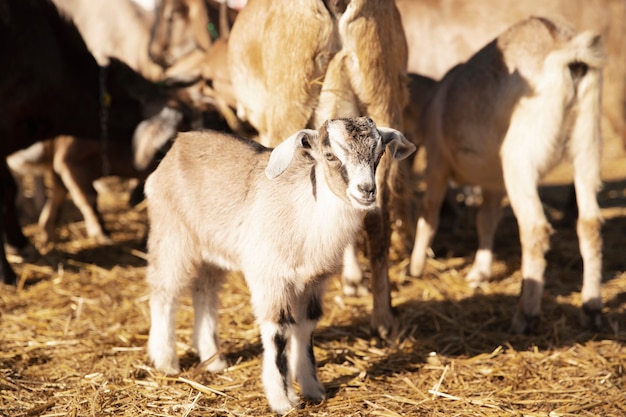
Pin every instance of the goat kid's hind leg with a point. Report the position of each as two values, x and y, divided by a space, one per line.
162 339
276 323
205 307
302 359
487 219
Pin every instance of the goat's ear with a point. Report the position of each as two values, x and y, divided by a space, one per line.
398 145
283 154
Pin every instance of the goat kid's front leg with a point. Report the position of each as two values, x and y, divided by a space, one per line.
302 358
487 219
276 323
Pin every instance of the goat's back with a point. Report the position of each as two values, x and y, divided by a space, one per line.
475 102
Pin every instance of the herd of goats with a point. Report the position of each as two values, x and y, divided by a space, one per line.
270 136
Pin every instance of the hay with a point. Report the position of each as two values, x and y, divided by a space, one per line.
74 332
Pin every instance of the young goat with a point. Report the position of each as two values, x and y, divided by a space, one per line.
283 217
501 121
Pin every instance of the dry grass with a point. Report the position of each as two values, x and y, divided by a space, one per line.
74 331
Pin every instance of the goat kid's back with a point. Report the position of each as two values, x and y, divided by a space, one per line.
253 210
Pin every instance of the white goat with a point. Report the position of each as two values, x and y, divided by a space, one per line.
503 120
283 217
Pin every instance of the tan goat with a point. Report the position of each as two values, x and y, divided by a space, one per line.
503 120
294 64
74 164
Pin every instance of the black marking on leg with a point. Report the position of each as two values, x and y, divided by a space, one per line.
280 342
314 309
311 355
285 318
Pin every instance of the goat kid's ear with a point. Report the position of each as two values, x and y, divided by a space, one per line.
283 154
399 146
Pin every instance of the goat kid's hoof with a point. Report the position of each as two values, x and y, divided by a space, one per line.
314 393
282 404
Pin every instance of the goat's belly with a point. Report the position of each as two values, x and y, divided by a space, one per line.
478 171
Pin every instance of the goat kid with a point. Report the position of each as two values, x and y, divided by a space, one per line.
283 217
503 120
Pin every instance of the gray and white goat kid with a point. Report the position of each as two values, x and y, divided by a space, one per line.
283 217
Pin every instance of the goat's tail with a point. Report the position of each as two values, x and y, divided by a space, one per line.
586 49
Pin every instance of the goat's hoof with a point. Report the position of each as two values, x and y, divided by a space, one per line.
413 272
591 317
103 239
216 364
315 392
524 323
385 329
476 278
351 289
282 404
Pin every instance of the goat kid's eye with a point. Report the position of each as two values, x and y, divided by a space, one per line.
330 157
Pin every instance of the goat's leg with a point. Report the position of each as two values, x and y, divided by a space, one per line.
162 339
302 359
276 322
487 219
351 274
78 178
428 222
49 215
12 228
586 157
534 232
205 306
6 272
378 227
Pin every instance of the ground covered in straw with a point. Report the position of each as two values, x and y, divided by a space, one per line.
73 333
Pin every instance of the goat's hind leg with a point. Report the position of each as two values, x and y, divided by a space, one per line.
586 157
427 224
487 219
302 359
205 307
534 231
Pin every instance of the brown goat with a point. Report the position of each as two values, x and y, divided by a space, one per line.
296 64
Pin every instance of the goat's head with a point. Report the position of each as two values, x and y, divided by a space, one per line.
348 152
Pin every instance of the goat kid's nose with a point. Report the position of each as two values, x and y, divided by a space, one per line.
367 190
